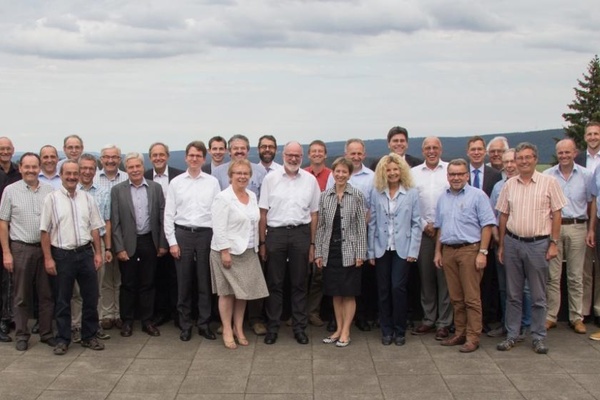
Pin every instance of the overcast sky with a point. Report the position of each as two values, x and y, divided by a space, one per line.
134 72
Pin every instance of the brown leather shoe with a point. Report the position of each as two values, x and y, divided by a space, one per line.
454 341
468 347
579 327
423 329
151 329
442 333
550 324
106 323
118 323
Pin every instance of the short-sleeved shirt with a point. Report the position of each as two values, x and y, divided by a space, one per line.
102 197
462 215
577 188
530 205
289 200
431 184
22 207
321 176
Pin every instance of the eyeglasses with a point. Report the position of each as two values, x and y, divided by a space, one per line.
239 173
111 157
292 155
267 147
456 174
525 158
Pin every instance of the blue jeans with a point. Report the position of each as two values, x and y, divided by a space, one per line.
71 266
392 280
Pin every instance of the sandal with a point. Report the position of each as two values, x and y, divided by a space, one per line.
242 341
339 343
230 344
331 339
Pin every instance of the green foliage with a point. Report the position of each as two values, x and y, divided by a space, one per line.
586 106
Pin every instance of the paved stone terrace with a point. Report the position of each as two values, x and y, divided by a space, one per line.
142 367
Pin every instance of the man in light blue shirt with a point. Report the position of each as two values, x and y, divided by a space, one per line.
464 219
576 183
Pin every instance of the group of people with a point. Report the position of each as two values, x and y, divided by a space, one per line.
463 244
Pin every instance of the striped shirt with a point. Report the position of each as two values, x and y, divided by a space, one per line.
70 220
107 183
102 198
22 207
530 205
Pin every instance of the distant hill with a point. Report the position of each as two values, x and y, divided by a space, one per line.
454 147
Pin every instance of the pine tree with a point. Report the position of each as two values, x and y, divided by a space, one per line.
586 106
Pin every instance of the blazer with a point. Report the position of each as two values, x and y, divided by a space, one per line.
581 158
122 217
207 168
406 220
173 172
354 225
490 177
231 223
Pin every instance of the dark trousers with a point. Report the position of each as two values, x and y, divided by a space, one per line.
6 292
490 291
137 281
193 266
75 266
392 280
165 298
287 249
29 275
366 303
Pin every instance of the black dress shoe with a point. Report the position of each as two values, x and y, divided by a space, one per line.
126 330
150 329
206 333
332 326
270 338
362 325
161 319
399 340
185 335
597 321
301 337
5 327
387 340
5 338
36 327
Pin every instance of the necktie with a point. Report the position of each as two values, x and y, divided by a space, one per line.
476 180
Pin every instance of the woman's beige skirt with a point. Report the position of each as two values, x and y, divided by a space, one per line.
244 280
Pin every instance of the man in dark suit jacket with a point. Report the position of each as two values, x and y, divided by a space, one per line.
165 299
590 159
397 139
483 177
137 208
217 148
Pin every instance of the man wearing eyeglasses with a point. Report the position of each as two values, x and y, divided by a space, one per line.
495 149
73 149
106 178
267 150
530 207
288 204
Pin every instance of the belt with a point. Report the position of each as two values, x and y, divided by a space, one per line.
192 228
79 249
459 245
288 227
37 244
573 221
527 239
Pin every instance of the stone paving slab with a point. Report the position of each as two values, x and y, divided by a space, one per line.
143 367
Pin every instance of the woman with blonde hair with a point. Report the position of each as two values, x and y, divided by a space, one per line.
394 241
341 247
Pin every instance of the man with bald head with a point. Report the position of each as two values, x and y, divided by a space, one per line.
9 173
576 183
431 182
289 202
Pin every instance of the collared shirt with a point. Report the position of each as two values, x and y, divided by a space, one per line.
472 171
290 200
431 184
107 183
54 181
189 202
530 206
162 179
70 220
495 194
258 174
273 167
322 176
461 216
22 207
592 161
139 197
362 180
577 188
102 198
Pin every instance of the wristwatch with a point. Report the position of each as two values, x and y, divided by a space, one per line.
483 251
552 240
